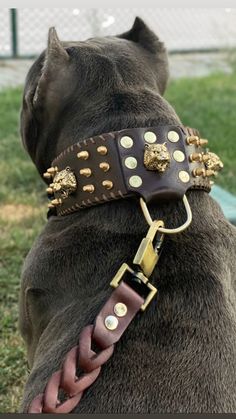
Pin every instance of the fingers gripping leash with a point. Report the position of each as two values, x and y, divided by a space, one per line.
132 292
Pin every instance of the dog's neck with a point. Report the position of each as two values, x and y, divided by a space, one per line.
80 120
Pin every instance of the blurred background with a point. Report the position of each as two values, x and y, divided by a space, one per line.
23 33
202 89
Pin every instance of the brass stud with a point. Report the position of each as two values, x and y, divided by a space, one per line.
150 137
131 162
104 166
184 176
111 322
126 142
173 136
102 150
88 188
84 155
86 172
120 309
179 156
199 171
135 181
108 184
50 190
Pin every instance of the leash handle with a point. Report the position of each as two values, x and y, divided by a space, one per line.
111 322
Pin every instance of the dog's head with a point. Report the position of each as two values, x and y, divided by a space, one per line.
78 89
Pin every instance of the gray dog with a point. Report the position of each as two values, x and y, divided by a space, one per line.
180 355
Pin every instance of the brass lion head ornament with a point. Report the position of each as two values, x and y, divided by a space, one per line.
156 157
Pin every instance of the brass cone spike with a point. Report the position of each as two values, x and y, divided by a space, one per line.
199 172
51 185
88 188
50 191
86 172
195 157
104 166
84 155
51 206
203 142
56 202
192 139
108 184
102 150
195 140
212 182
47 175
52 170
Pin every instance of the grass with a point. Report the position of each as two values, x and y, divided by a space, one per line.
207 103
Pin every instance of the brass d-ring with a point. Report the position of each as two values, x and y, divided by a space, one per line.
163 230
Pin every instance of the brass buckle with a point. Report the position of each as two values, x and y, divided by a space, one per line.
120 274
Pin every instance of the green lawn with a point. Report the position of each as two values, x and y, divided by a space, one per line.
207 103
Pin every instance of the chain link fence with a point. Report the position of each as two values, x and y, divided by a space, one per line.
23 32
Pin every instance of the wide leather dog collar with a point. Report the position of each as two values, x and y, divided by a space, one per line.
155 163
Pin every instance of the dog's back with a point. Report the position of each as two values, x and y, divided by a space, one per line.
179 356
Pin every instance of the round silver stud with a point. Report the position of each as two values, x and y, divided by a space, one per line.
126 142
173 136
150 137
178 156
184 176
131 162
111 322
135 181
120 309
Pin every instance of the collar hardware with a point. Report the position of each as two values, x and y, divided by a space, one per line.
155 164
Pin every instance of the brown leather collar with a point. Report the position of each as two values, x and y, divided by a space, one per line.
155 163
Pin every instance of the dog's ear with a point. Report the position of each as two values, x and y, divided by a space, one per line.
143 35
55 65
46 83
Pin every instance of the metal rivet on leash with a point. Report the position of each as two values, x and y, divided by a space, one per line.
120 309
111 322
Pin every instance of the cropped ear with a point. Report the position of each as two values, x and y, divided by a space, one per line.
142 35
47 82
55 64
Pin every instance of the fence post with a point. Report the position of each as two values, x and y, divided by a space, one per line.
14 35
